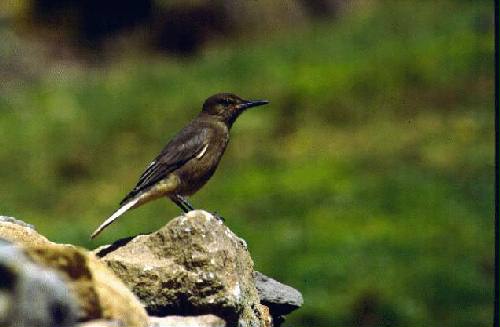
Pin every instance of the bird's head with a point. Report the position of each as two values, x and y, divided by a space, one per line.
228 106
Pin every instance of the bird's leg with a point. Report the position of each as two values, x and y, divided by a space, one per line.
218 217
185 202
182 203
179 203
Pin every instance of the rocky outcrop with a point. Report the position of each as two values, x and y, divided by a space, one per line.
17 231
183 321
31 295
281 299
193 265
98 292
194 271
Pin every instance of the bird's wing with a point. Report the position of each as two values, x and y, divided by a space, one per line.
185 146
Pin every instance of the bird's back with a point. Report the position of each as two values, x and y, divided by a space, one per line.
192 155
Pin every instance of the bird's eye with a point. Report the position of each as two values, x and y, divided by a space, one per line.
226 102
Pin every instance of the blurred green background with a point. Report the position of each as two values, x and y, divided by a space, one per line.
367 183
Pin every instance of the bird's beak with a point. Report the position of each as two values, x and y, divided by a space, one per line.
252 103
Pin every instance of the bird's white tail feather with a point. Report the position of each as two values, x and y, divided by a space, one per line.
124 208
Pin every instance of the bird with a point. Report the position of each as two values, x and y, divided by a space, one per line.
191 157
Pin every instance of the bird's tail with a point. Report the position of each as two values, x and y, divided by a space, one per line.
124 208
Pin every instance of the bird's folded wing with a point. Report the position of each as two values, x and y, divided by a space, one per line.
185 146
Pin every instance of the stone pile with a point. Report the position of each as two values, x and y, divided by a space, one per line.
194 271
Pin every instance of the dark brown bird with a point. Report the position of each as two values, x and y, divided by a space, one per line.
188 161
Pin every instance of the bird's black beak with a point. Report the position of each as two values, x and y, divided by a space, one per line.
252 103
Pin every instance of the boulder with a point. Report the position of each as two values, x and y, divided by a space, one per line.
99 293
281 299
193 265
31 295
19 232
192 272
188 321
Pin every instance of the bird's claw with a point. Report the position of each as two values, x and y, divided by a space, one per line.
218 217
243 242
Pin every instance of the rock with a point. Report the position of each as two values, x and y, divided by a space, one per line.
100 294
193 272
188 321
19 232
31 295
13 220
168 321
100 323
279 298
193 265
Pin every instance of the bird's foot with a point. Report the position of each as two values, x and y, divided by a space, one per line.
218 217
243 242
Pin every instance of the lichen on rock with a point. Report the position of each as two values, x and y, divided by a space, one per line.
192 265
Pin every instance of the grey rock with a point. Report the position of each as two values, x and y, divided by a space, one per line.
188 321
193 265
31 295
101 323
279 298
168 321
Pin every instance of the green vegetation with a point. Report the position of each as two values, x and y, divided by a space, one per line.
367 183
